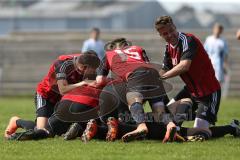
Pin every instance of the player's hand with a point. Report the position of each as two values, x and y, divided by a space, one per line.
101 80
82 83
92 84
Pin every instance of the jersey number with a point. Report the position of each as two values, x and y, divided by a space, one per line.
128 53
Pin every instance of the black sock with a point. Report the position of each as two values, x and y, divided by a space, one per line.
221 131
25 124
40 134
194 131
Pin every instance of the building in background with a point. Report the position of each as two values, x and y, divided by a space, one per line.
42 15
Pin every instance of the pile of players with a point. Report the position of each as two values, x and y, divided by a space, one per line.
84 97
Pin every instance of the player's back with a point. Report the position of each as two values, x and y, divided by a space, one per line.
126 60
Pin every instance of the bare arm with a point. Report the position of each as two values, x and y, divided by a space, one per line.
162 72
64 87
181 68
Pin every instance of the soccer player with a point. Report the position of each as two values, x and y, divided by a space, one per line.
65 74
75 106
186 57
81 103
182 111
131 65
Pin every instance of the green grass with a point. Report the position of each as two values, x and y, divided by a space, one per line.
224 148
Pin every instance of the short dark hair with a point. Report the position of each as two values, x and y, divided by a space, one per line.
123 42
163 20
92 52
95 29
89 58
218 25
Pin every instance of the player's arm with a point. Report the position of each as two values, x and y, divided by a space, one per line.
185 61
181 68
61 68
167 63
102 72
64 87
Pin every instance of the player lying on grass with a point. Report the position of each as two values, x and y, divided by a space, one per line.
156 129
66 73
75 106
182 111
131 65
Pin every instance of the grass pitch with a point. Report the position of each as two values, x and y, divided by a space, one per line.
56 148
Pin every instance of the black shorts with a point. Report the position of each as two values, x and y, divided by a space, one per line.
183 93
44 108
146 81
66 112
69 111
208 107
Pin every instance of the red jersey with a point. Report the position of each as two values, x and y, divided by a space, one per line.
122 62
85 95
200 78
62 68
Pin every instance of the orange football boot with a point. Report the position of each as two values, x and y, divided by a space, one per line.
112 133
12 127
90 131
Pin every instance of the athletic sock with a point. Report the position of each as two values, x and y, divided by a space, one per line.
137 112
40 134
194 132
183 112
25 124
221 131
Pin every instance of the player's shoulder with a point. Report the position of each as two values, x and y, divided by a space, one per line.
88 41
68 56
186 35
136 48
188 38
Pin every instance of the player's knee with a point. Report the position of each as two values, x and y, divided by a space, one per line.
41 122
133 97
201 123
186 101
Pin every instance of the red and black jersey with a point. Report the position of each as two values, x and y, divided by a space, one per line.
62 68
122 62
85 95
200 79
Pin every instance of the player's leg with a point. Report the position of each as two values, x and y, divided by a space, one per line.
183 93
135 103
182 110
207 110
11 127
195 134
233 129
69 112
110 103
53 127
44 109
57 124
200 134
